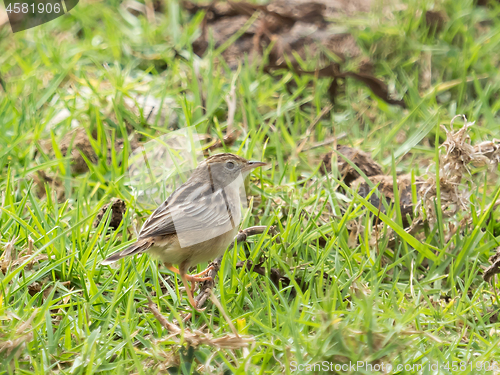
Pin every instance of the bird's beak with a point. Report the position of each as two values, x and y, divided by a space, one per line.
253 164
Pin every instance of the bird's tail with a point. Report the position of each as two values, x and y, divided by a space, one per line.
136 248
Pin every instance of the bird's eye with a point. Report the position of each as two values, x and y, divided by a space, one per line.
229 165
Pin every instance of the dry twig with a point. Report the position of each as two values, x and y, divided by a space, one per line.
196 338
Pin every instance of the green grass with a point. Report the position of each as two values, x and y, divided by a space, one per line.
422 302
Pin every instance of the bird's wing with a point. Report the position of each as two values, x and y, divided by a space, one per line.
198 208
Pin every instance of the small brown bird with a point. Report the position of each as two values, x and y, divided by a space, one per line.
198 221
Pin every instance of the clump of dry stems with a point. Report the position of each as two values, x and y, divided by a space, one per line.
455 181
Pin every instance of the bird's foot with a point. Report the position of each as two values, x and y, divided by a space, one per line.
197 278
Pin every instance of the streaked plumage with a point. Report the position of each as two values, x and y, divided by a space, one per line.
204 213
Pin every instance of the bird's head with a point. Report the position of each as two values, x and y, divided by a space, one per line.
223 169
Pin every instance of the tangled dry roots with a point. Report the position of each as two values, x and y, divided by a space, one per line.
454 170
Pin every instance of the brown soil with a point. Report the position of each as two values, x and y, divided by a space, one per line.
385 187
118 208
361 159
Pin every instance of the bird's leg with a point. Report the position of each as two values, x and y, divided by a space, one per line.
193 278
172 268
188 291
185 278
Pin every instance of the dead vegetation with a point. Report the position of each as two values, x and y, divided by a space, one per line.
494 269
80 146
9 260
118 208
196 338
334 72
361 159
43 180
284 24
385 185
455 184
22 335
435 20
373 172
454 171
286 33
